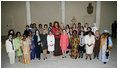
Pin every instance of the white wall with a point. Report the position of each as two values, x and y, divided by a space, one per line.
108 14
45 12
13 13
79 10
13 16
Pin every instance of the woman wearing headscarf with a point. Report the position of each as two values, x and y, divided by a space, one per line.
105 47
94 28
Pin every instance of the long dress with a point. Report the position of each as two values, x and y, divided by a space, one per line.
26 51
70 36
89 40
10 49
97 46
74 51
17 41
64 41
32 48
50 42
103 47
57 51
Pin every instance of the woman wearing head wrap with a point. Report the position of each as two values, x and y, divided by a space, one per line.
94 28
105 46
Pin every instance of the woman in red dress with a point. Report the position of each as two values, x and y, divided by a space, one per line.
56 32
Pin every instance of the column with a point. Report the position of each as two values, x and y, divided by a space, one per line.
28 14
98 13
63 12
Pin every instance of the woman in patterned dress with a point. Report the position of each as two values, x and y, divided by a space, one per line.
26 49
74 41
17 41
32 46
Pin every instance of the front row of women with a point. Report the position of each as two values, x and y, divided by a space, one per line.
27 47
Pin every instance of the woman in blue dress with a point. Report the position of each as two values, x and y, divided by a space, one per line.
32 46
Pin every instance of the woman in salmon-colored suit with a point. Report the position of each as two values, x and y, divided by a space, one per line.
64 41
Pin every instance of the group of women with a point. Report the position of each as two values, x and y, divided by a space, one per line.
57 39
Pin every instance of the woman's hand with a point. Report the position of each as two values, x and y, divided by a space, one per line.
39 43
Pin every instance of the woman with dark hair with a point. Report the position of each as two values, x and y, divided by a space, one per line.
56 32
17 42
26 49
26 32
81 44
40 28
79 27
11 31
89 29
67 29
10 49
46 28
32 46
74 42
89 41
37 42
51 43
81 30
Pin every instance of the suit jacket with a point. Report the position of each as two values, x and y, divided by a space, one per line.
8 45
35 40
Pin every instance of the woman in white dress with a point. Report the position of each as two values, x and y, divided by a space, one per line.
10 49
89 41
50 42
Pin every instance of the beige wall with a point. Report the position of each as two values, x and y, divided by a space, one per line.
79 10
108 15
13 16
45 12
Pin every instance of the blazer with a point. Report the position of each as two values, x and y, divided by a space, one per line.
8 45
35 40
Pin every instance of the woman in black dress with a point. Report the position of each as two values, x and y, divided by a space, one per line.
44 43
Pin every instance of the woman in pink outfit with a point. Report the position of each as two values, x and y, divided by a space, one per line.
64 41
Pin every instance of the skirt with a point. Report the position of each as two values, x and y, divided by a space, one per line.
57 47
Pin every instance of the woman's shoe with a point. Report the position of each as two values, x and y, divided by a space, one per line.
90 59
65 56
105 62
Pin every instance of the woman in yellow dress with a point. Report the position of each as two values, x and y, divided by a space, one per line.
26 49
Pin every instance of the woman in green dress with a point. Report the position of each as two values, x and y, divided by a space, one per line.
17 42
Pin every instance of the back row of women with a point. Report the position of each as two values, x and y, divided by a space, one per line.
58 39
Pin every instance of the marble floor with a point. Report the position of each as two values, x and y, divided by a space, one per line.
59 62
